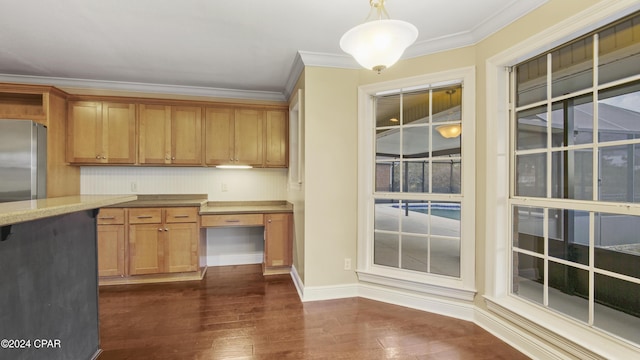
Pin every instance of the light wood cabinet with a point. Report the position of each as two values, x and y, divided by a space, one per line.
234 136
163 240
101 132
111 242
244 136
278 241
170 135
276 137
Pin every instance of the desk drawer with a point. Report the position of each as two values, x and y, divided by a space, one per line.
232 220
111 216
181 214
145 216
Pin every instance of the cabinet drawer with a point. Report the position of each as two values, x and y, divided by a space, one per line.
111 216
145 216
181 214
232 220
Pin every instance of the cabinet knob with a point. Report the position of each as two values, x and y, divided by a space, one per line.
98 157
167 158
269 221
173 158
160 229
165 229
104 157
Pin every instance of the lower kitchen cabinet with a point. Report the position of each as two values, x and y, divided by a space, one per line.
146 249
163 240
181 248
111 242
149 244
277 246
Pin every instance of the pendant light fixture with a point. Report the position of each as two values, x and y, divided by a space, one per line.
378 43
450 131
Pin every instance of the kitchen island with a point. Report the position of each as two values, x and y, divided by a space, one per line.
48 277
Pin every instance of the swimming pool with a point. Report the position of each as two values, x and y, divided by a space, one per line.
446 210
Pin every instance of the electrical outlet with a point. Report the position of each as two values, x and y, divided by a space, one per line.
347 264
225 187
134 186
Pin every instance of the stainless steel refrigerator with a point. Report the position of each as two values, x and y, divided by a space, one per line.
23 160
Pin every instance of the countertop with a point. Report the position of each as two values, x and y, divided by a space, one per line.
168 200
21 211
210 207
245 207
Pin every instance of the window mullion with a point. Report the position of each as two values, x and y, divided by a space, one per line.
596 131
549 128
545 234
592 240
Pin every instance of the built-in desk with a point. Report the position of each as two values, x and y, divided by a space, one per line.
275 216
160 238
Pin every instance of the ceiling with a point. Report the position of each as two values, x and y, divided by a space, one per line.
241 48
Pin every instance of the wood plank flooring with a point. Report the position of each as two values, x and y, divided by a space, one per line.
236 313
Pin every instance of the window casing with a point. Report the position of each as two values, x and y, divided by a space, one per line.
575 180
416 197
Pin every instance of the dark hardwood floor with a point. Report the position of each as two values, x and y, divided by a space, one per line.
236 313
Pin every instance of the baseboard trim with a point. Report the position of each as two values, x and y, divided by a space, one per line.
297 282
456 309
520 340
317 293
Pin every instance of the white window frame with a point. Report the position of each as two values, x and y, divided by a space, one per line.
459 288
577 339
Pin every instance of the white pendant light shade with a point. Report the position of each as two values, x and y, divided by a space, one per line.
378 44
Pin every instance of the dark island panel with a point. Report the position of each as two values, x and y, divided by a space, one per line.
48 288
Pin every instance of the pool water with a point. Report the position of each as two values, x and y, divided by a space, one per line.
447 213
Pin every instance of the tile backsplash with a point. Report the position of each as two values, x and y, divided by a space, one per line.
219 184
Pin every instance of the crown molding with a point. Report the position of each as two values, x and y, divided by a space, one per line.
309 58
501 19
144 87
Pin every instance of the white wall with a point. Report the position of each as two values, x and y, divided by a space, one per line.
224 246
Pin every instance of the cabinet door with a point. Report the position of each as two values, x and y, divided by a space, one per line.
84 133
154 129
181 247
219 138
278 242
186 135
248 137
276 139
119 135
146 249
111 250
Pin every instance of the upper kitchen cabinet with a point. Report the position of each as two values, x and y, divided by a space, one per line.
245 136
170 135
233 136
46 105
276 139
101 133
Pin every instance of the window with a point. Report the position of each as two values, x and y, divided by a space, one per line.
575 179
416 202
